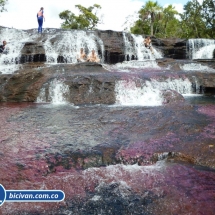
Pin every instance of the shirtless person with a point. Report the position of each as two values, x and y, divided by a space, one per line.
2 47
82 56
147 42
93 57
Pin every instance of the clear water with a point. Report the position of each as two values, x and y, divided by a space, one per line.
200 99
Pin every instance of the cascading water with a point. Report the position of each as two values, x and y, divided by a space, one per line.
128 47
135 49
196 67
137 64
68 44
148 93
127 93
57 93
200 48
64 44
142 51
9 62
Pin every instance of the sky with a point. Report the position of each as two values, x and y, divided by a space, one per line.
21 14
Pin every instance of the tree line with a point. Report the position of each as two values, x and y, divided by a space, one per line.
197 20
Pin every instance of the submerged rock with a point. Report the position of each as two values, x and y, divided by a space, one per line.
171 97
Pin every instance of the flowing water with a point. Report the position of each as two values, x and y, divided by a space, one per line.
148 93
57 92
200 48
134 157
62 147
135 49
9 62
68 44
65 45
196 67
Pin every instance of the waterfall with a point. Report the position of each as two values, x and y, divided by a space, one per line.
67 44
148 93
196 67
134 47
128 47
57 92
60 46
200 48
127 93
142 51
9 62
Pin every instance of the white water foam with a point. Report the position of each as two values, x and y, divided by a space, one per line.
128 47
127 93
196 67
114 172
142 51
57 93
200 48
148 93
68 44
9 62
138 64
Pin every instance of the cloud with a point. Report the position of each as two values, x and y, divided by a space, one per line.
22 13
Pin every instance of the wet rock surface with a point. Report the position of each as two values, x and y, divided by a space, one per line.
33 52
107 158
171 47
172 97
92 83
113 46
65 147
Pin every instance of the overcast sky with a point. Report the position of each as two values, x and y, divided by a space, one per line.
21 14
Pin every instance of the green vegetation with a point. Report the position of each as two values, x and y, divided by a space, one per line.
87 18
2 5
197 20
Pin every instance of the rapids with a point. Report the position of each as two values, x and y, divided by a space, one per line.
131 137
107 158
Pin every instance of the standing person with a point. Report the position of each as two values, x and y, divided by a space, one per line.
93 57
40 18
2 47
147 42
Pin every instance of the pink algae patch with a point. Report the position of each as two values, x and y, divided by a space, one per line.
209 130
142 152
179 189
18 147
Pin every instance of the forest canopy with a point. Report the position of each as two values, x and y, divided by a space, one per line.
2 5
197 20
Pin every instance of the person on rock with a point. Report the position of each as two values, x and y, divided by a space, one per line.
40 18
2 47
147 42
92 57
82 56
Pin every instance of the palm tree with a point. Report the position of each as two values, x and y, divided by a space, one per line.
168 15
151 10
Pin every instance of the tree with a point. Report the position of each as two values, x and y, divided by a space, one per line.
192 22
151 11
165 24
141 27
169 23
2 5
208 14
87 19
